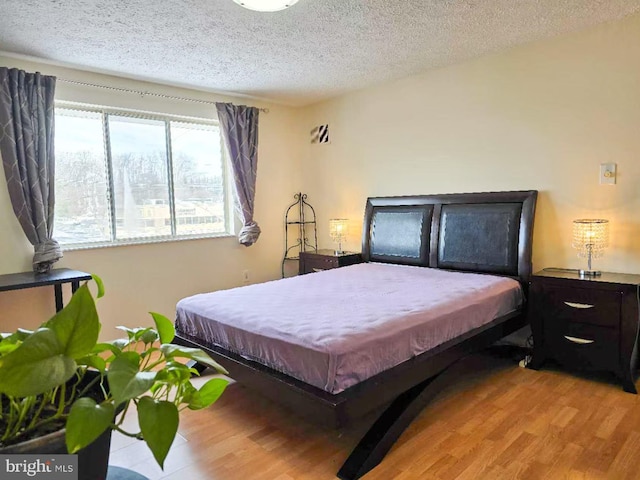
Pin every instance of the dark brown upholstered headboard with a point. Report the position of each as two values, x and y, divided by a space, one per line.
475 232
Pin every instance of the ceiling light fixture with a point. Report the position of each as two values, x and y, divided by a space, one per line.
266 5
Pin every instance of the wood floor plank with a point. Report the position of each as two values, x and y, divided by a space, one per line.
626 464
492 420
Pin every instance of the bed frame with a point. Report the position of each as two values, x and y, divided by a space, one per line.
475 232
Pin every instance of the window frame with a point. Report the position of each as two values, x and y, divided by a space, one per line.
166 118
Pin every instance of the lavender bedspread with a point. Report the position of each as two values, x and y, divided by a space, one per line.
335 328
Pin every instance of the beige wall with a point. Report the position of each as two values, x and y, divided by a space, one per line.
154 276
542 116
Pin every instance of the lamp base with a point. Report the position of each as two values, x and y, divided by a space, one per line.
590 273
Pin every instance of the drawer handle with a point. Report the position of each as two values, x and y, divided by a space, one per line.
578 305
580 341
318 269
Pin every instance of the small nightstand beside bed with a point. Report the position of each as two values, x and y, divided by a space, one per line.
320 260
340 343
586 323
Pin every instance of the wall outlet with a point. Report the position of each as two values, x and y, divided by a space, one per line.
245 276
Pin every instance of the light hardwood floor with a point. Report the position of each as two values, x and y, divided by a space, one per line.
492 421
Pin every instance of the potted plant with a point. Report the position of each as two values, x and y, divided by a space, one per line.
63 391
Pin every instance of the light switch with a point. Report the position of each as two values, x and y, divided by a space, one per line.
607 174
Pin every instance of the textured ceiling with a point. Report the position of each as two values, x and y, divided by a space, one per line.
314 50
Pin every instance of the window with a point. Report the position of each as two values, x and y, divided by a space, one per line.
131 178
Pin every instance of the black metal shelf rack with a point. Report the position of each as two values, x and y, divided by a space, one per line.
299 214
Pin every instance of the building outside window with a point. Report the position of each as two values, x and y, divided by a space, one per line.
124 177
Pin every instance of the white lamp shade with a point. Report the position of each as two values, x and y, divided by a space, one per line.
590 236
266 5
338 229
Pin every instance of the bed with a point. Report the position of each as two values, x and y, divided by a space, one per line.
443 276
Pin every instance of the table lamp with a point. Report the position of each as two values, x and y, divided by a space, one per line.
590 238
338 231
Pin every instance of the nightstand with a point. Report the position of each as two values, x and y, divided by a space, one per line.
326 259
586 323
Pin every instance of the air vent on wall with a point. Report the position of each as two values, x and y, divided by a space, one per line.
320 134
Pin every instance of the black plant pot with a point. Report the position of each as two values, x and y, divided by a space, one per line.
93 460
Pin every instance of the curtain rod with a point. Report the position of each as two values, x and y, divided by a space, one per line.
143 93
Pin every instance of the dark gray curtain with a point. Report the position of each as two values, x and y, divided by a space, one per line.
239 125
26 146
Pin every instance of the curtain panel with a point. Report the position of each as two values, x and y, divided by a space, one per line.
239 126
27 149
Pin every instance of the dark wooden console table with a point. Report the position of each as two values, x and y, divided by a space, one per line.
56 277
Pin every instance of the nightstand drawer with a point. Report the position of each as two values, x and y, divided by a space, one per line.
326 259
581 345
595 307
314 263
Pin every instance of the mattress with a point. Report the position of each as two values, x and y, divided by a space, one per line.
335 328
